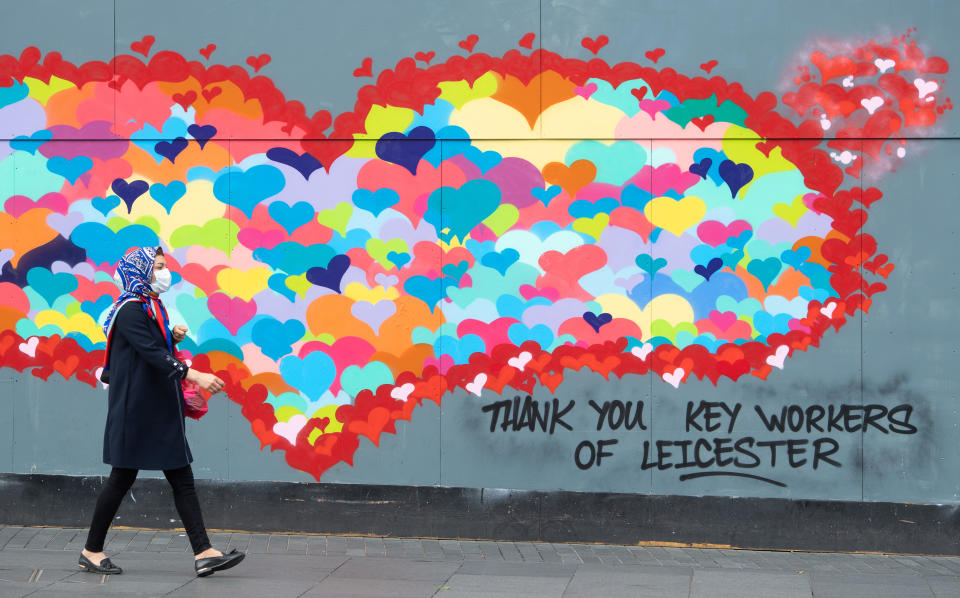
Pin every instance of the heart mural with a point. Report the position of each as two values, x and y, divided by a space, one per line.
336 280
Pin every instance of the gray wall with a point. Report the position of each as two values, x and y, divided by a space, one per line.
903 352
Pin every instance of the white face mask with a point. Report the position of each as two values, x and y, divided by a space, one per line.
163 280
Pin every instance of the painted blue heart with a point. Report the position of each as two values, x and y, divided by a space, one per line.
312 375
583 208
14 93
456 271
398 258
540 333
95 308
766 270
105 204
375 201
202 133
406 150
71 169
104 245
32 143
796 258
295 258
459 349
303 163
546 195
596 321
167 195
278 283
649 265
291 217
735 175
740 241
428 290
49 285
129 192
702 168
330 276
635 197
245 189
456 212
709 270
484 160
500 260
275 338
767 324
702 254
655 234
171 149
811 294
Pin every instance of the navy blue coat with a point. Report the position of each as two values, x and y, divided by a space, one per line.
145 423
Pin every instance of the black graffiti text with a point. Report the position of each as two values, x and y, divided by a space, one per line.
527 414
838 418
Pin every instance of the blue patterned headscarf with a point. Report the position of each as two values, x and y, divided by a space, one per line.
135 271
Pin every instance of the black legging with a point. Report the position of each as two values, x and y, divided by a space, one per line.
184 497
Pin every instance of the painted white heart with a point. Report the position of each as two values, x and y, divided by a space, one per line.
901 152
825 124
925 87
884 64
848 81
776 360
520 361
476 387
643 351
675 378
30 347
827 309
290 428
871 104
401 393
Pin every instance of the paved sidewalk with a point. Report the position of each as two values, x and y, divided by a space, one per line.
40 562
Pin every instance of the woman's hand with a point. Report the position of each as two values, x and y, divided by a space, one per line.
179 333
207 382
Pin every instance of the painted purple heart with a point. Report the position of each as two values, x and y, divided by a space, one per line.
701 168
406 150
735 175
596 321
374 314
304 163
386 280
202 133
171 149
709 270
64 223
330 276
129 192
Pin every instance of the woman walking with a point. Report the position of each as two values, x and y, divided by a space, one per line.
145 422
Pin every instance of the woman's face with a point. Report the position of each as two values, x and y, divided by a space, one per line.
158 264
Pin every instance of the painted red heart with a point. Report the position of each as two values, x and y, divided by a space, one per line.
595 44
708 66
527 40
365 69
209 94
470 42
185 99
655 55
207 50
143 46
702 122
425 57
258 62
639 93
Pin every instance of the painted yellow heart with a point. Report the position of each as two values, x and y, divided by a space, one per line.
675 215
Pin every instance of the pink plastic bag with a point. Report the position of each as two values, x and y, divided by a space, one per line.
194 404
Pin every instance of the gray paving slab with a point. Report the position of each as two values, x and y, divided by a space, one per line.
712 583
859 585
507 585
634 581
403 570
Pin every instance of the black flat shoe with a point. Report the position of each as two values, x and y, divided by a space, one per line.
104 568
207 566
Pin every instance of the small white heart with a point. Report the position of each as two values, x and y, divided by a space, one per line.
925 87
871 104
848 81
29 348
901 152
776 360
825 124
827 310
520 361
290 428
476 387
675 378
884 64
401 393
642 351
